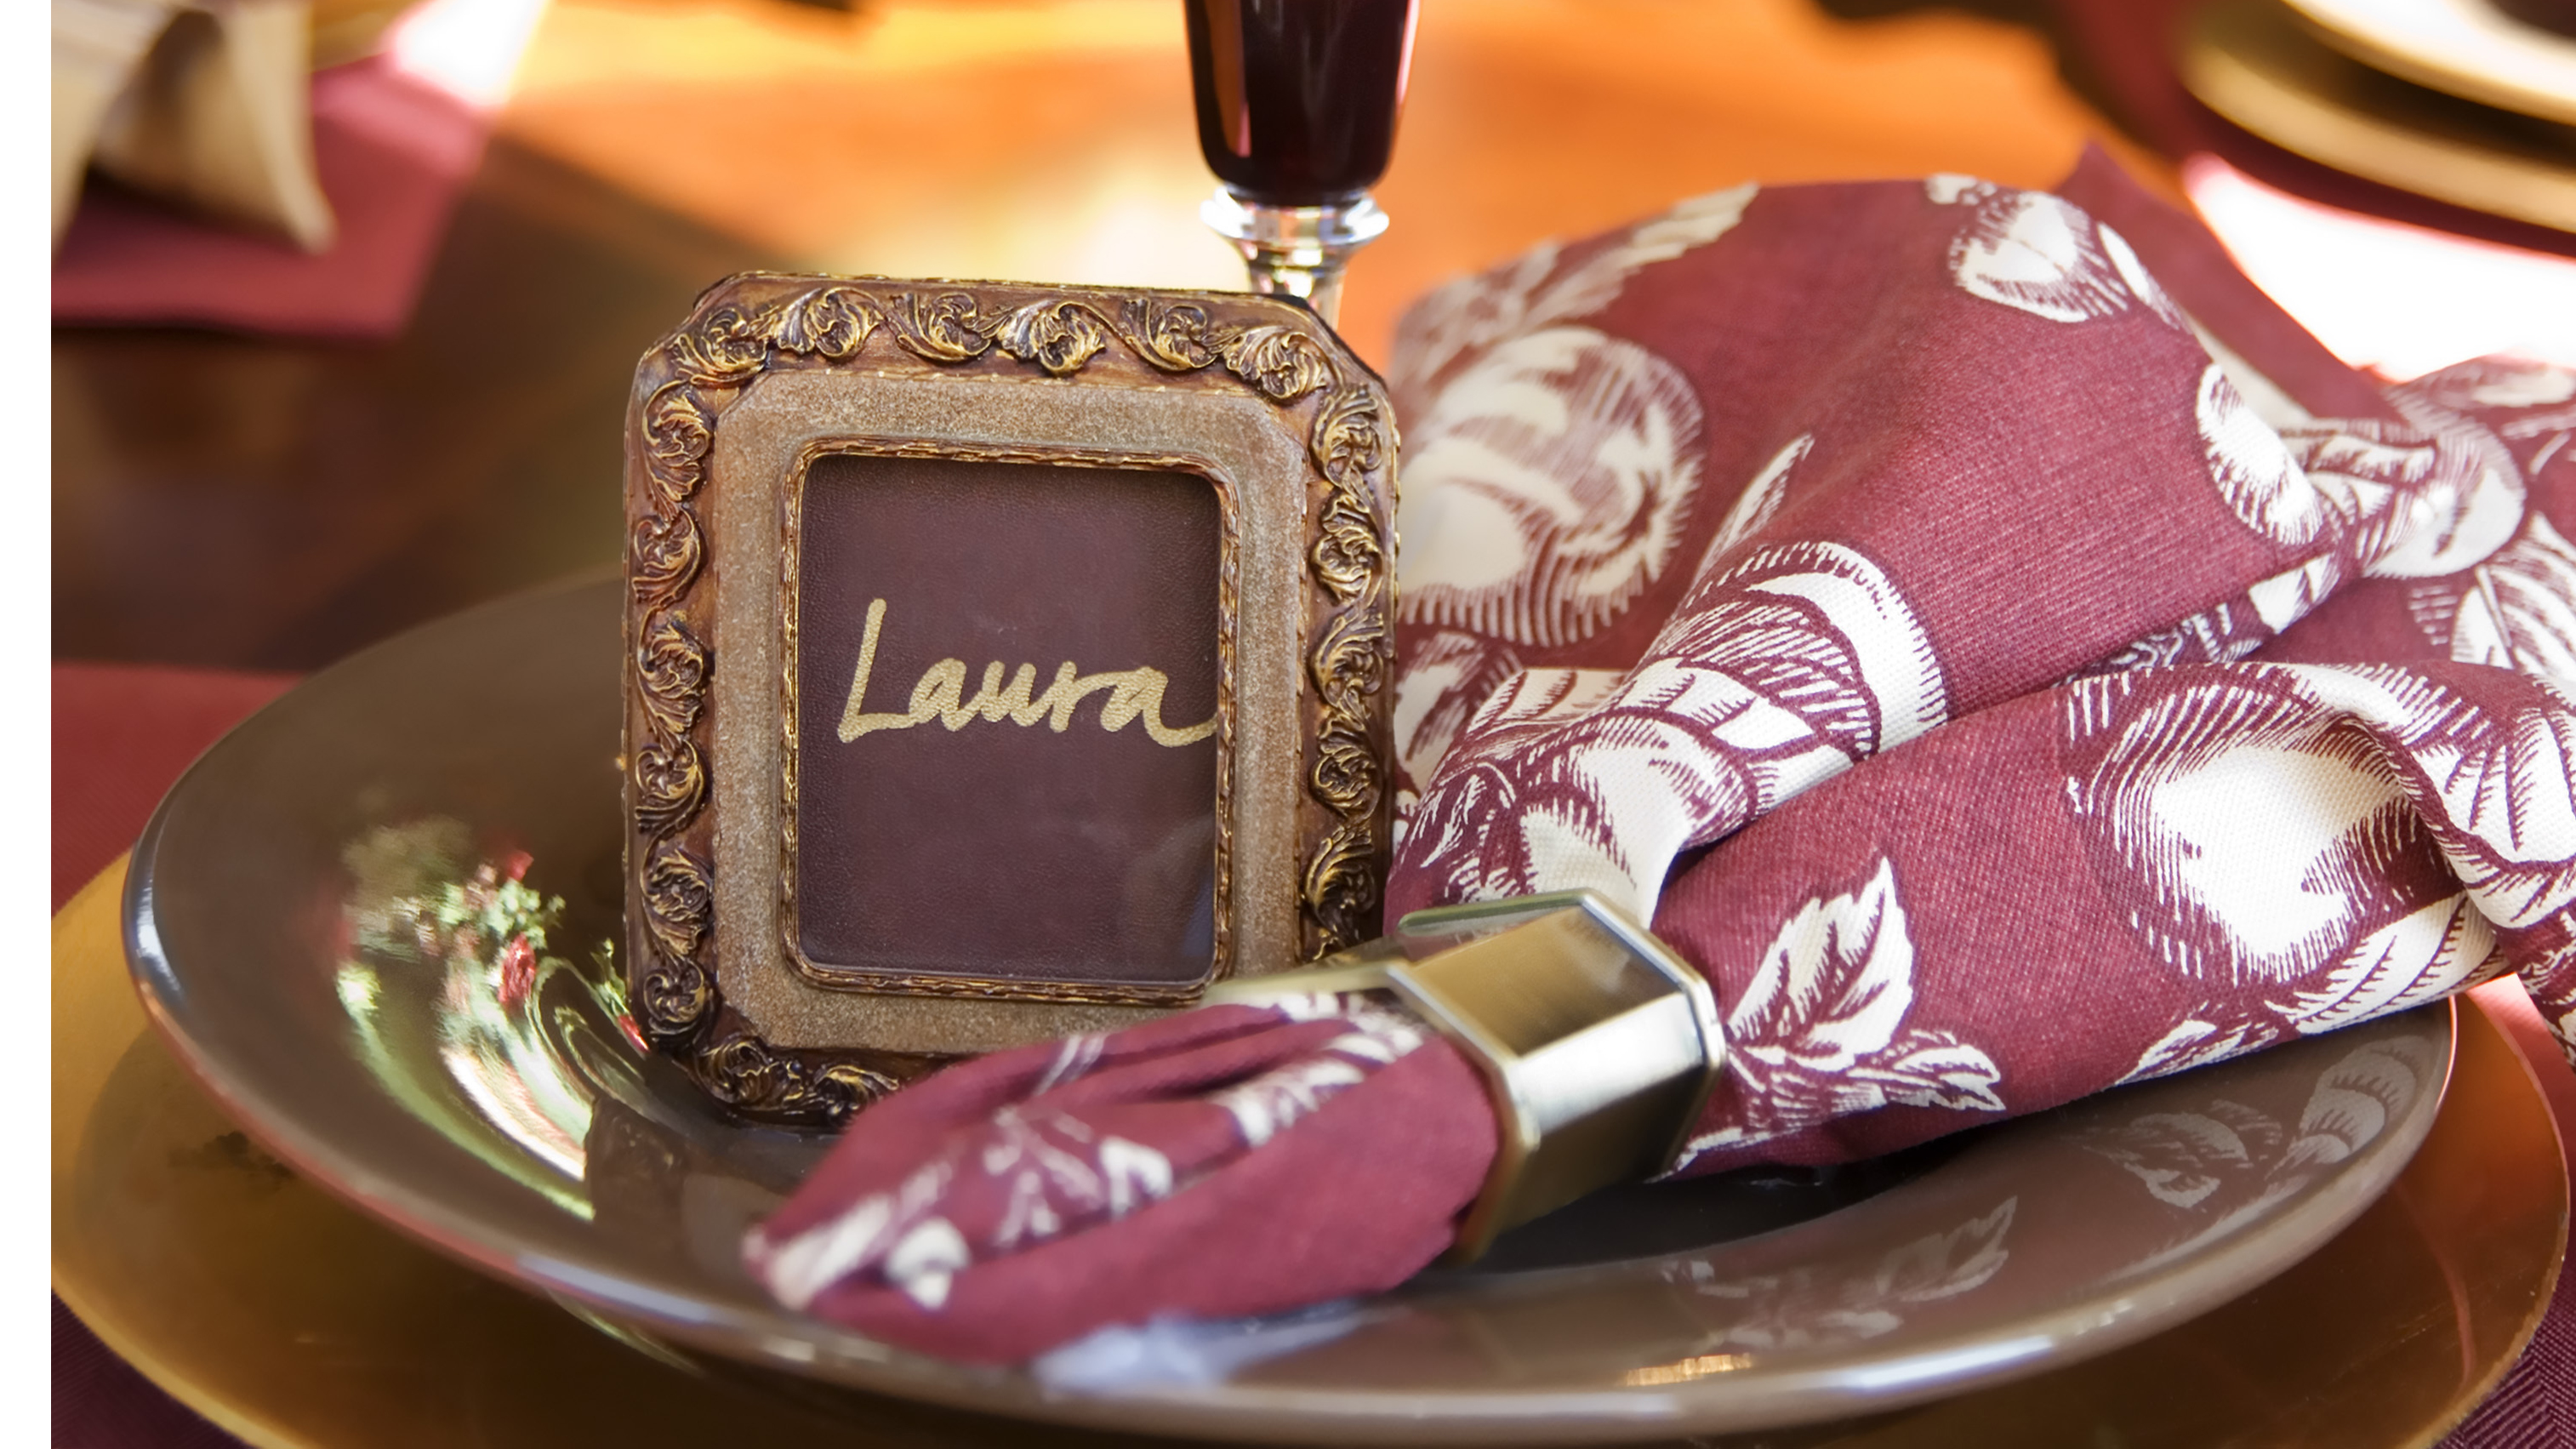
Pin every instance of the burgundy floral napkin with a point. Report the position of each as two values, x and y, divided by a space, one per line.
1994 645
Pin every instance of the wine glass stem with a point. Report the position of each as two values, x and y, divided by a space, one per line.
1297 251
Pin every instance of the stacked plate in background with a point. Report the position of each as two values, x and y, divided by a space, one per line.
2462 101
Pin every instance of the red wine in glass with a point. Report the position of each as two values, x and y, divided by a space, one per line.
1297 99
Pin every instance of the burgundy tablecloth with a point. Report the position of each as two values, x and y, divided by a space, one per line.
121 735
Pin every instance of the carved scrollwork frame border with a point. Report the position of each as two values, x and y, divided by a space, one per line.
758 323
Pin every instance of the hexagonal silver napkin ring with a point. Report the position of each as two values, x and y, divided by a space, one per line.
1597 1044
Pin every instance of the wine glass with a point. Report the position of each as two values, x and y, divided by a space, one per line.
1297 102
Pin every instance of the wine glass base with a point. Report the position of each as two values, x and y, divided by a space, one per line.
1296 251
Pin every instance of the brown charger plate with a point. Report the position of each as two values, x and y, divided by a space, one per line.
511 1127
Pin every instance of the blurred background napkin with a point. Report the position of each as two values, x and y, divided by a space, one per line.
201 104
1880 587
249 190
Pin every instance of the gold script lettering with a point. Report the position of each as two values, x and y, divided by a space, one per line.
940 694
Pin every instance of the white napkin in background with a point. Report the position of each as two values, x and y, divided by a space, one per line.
205 102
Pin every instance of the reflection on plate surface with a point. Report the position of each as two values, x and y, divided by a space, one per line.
361 921
419 905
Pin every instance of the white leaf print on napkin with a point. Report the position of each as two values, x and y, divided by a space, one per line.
1058 1173
1758 503
2407 962
1268 1104
2249 825
2194 1042
1820 1033
2478 503
2411 960
1785 671
1546 487
1952 188
2035 253
2502 789
2255 474
2256 807
1529 293
2519 610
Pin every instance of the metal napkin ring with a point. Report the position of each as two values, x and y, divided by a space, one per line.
1597 1044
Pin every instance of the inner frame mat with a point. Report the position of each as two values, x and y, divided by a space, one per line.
1007 684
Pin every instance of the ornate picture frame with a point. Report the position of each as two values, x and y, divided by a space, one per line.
772 375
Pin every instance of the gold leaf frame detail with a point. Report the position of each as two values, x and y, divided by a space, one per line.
734 336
